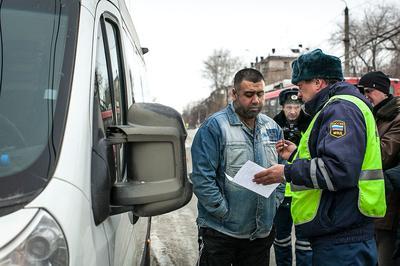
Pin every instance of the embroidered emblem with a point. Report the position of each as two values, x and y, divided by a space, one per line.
337 129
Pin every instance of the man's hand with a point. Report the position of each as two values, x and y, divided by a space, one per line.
274 174
285 148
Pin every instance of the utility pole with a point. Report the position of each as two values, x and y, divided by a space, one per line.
346 41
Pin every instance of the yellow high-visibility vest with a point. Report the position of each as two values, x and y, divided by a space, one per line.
371 200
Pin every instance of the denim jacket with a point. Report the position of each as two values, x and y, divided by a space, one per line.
222 145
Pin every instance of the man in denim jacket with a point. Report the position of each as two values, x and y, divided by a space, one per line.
235 223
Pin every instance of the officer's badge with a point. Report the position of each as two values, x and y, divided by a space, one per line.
337 128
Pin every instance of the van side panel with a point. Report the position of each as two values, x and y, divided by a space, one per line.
74 163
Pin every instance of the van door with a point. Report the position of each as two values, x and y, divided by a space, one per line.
125 240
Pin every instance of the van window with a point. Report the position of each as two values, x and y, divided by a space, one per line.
137 89
110 86
102 84
114 52
37 51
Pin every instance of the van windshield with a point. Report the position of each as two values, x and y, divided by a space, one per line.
37 50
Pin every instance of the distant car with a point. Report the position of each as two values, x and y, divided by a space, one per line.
82 160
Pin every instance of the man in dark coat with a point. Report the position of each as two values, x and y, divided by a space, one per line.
292 118
376 88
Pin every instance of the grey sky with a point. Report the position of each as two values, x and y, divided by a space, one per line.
181 34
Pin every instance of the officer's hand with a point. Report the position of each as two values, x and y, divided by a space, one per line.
285 148
274 174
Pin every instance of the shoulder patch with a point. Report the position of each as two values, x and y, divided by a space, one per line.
337 128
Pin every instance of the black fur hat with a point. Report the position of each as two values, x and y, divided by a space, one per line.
316 64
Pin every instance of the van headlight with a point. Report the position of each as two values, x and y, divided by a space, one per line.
41 243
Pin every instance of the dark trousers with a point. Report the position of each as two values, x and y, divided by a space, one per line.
354 254
283 239
219 249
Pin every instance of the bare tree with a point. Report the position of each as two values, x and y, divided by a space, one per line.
220 67
374 39
394 67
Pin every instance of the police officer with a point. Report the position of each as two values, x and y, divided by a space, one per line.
294 123
336 171
292 118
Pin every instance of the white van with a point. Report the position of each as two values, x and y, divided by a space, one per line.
83 164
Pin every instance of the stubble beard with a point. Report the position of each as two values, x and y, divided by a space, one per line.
247 113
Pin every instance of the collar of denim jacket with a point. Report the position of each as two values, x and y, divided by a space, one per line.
233 117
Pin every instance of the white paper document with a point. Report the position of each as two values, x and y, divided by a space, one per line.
245 175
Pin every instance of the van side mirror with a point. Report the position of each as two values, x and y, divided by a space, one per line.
157 179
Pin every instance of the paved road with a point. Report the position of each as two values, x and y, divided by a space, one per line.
174 235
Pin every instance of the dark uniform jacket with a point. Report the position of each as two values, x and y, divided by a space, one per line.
387 114
340 157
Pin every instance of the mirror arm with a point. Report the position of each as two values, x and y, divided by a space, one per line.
115 135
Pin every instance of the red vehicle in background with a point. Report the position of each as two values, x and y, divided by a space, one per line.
271 104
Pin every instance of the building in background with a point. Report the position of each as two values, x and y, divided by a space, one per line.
277 65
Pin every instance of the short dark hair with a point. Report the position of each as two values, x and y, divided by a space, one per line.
249 74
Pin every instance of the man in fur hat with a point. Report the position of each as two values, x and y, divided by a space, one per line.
336 172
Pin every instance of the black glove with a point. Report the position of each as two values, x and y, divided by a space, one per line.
396 253
392 177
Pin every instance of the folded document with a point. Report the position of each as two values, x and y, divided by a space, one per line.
244 177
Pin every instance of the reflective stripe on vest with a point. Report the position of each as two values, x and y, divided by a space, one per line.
371 200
